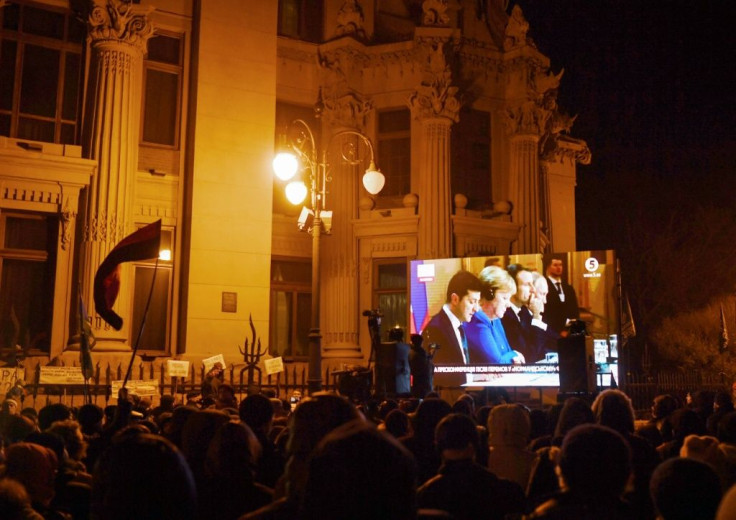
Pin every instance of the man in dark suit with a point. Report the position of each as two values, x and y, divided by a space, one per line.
517 321
544 338
562 302
445 328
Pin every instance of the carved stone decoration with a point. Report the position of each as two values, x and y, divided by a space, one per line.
339 103
350 20
103 228
366 264
341 68
558 122
349 110
542 82
494 14
435 13
119 21
436 96
516 29
563 147
66 217
528 118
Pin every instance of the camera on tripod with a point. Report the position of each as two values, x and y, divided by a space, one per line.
374 317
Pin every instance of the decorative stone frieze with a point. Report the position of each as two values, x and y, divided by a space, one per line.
393 245
18 191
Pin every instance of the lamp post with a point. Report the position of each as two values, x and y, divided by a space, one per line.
300 154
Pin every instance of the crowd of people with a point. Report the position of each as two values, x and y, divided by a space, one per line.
327 457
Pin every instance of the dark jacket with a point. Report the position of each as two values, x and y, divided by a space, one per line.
469 491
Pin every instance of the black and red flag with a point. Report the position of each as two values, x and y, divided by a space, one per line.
139 245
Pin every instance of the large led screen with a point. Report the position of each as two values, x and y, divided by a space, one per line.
514 338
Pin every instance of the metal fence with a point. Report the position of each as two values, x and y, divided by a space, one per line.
100 386
642 388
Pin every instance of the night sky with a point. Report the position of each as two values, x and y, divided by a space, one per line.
654 85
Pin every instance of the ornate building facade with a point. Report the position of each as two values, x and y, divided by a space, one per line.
170 109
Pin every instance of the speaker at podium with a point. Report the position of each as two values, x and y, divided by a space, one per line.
577 364
393 376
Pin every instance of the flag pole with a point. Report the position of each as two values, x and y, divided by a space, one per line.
139 245
723 345
85 345
623 349
85 386
143 324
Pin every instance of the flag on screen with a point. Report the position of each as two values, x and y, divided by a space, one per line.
723 345
139 245
87 341
628 329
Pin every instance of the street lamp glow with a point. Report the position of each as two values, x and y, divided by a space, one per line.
296 191
315 218
373 180
285 165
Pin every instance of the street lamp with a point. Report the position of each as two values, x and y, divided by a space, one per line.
302 151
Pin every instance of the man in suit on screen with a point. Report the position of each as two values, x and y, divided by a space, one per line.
562 302
446 327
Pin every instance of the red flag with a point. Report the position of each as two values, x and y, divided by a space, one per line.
140 245
628 329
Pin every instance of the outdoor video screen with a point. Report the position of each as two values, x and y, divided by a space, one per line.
513 339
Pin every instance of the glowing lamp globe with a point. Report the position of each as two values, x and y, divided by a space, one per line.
296 191
373 180
285 165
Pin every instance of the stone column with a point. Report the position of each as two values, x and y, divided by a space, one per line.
118 34
340 312
339 268
436 107
525 124
435 194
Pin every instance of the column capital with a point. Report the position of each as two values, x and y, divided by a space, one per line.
526 119
118 21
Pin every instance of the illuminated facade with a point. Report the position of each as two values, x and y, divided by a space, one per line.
170 109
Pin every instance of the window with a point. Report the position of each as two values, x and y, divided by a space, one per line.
301 19
471 158
155 338
40 73
389 294
27 276
291 307
394 151
286 113
162 71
